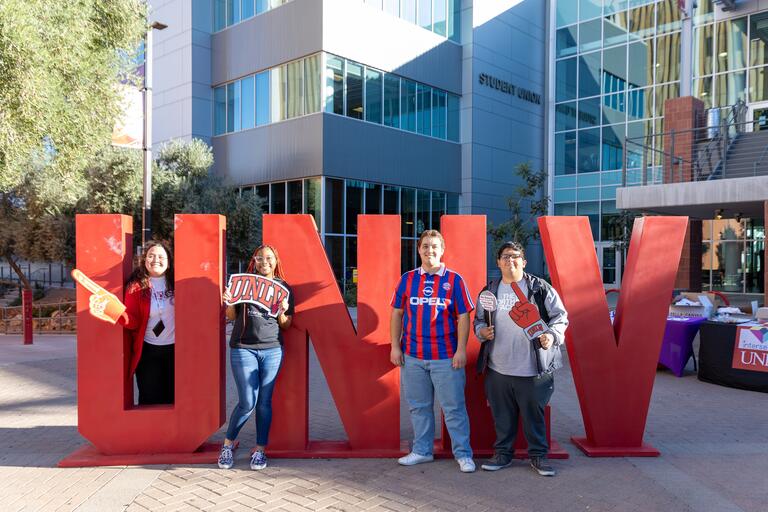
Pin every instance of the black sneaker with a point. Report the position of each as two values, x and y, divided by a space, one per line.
497 462
539 465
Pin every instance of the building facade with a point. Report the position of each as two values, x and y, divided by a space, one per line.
341 107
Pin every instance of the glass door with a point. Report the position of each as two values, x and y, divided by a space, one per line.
609 260
758 114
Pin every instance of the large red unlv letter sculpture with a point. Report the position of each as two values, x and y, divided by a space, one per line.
614 365
120 432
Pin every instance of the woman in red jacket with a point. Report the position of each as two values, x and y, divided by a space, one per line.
149 315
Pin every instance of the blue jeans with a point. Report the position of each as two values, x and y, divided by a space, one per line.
421 380
255 372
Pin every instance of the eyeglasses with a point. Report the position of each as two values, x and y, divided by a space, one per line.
510 257
262 259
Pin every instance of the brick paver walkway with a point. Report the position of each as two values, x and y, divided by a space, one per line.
713 439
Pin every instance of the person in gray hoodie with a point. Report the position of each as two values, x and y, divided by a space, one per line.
519 356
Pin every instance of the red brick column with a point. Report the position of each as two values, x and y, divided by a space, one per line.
681 116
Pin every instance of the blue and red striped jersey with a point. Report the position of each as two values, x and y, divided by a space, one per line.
431 305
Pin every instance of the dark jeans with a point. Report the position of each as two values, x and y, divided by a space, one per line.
510 397
155 374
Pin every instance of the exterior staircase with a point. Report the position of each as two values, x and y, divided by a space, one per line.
747 156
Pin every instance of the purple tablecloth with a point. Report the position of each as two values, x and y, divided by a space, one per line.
677 346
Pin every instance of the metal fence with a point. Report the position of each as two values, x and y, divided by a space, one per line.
43 274
46 318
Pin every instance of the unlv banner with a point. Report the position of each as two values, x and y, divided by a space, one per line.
750 349
614 366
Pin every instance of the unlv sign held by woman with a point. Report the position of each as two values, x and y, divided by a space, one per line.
364 385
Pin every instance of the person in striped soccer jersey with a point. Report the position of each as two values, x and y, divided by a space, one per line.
429 329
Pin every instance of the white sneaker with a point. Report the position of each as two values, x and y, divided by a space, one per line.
466 465
414 458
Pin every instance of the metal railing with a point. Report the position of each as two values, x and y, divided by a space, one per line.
43 274
46 318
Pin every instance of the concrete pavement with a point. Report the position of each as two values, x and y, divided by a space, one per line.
713 440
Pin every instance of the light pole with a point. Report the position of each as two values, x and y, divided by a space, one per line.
146 213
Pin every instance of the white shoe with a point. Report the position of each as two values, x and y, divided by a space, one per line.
414 458
466 465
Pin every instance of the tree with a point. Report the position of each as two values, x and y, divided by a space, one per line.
60 65
526 204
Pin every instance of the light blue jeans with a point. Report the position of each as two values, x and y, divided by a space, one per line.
255 372
421 381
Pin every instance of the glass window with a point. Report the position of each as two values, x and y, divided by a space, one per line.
408 105
334 247
640 103
615 29
565 153
262 192
642 21
313 199
219 14
637 138
664 93
565 181
453 118
424 119
408 10
277 78
614 108
334 85
277 198
589 113
731 44
438 209
262 98
591 210
566 12
615 69
248 114
565 195
640 64
452 204
454 17
611 228
231 107
373 92
440 15
392 7
438 113
391 100
702 89
295 197
354 204
758 84
758 39
589 35
730 88
233 11
565 209
565 76
669 16
295 89
613 143
312 84
334 205
262 6
220 110
589 74
423 209
391 200
248 10
372 198
351 257
703 40
590 8
565 116
408 255
703 12
408 212
589 150
354 90
668 58
424 14
565 44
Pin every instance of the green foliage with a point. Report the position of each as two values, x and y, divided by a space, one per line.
526 204
59 68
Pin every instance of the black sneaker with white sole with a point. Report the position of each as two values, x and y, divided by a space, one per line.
539 465
497 462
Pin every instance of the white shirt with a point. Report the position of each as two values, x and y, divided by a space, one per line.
161 308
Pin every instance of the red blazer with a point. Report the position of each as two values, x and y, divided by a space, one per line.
135 319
